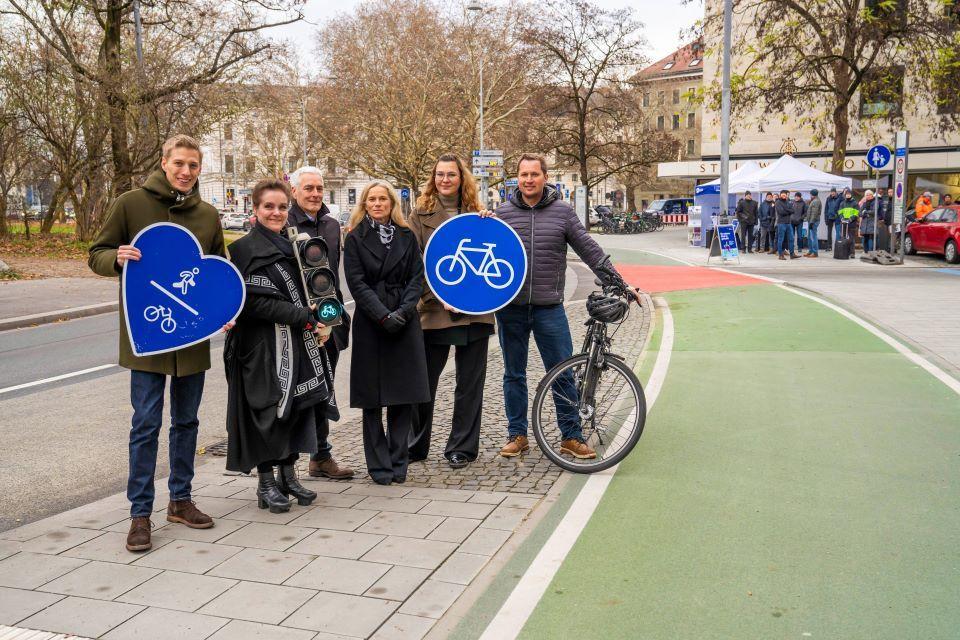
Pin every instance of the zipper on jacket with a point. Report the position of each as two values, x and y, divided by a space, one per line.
533 224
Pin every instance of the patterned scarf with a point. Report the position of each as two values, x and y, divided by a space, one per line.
385 231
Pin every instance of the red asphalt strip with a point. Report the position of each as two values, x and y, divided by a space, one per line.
658 279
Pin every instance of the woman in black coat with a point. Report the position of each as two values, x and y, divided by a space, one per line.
271 409
384 271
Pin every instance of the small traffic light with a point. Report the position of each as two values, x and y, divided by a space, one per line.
318 278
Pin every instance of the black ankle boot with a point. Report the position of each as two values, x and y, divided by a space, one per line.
269 496
289 484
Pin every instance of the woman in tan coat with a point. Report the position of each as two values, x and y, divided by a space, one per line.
450 191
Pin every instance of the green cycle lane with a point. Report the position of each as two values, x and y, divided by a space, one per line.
797 478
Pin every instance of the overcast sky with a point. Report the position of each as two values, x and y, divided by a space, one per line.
662 20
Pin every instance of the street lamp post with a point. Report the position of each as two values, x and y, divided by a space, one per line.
477 8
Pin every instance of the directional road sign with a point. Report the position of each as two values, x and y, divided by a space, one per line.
488 152
476 265
878 157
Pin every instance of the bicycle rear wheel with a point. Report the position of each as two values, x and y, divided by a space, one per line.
612 420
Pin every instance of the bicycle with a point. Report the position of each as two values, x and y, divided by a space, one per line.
595 389
490 267
159 312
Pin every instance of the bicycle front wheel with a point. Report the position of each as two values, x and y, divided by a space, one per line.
611 416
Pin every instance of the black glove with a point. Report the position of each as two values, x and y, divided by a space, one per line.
394 322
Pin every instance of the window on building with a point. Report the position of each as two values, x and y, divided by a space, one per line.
251 165
695 62
331 166
248 132
660 123
661 97
352 167
228 163
332 196
351 196
292 163
691 120
882 93
228 132
646 99
691 147
668 66
676 121
676 96
574 178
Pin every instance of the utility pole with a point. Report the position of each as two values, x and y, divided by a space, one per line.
477 7
725 111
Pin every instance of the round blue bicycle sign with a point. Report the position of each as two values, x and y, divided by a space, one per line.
476 265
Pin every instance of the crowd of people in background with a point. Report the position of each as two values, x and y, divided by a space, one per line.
789 226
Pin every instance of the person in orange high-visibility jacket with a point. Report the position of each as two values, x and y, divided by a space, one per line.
924 205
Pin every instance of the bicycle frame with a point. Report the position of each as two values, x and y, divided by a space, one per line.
487 256
595 345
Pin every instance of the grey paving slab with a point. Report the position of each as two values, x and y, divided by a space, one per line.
17 604
339 574
260 535
111 547
401 626
387 491
411 552
188 556
244 630
432 599
220 491
162 624
261 565
505 518
398 583
207 478
177 590
342 614
336 544
460 568
449 495
401 505
489 497
213 507
59 540
485 541
454 529
100 580
458 509
323 485
30 570
81 616
103 519
522 502
324 498
32 530
402 524
9 547
258 602
124 525
178 531
253 513
334 518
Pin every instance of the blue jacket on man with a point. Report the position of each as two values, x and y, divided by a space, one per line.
831 207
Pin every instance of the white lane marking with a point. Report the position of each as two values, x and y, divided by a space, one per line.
176 299
516 610
64 376
669 257
915 358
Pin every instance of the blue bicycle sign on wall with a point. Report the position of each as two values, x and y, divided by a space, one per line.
476 265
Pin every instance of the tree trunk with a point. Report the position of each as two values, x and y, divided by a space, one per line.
841 131
56 204
4 231
111 60
631 196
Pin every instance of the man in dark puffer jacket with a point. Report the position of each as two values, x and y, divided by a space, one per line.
546 226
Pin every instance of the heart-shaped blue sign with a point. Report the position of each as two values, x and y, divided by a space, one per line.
174 296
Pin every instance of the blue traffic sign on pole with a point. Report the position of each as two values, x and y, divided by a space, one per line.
476 265
878 157
175 296
405 193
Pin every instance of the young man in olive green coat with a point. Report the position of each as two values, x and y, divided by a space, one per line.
170 194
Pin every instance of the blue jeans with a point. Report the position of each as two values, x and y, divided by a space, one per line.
867 242
813 243
552 334
146 396
784 232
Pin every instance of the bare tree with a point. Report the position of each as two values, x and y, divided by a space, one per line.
205 41
811 60
15 156
587 53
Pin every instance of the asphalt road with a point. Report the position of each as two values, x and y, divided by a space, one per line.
63 443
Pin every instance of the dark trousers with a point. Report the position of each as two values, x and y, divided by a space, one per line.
320 414
784 237
471 362
386 453
267 467
746 237
552 335
767 238
146 396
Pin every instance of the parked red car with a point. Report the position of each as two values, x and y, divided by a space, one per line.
936 232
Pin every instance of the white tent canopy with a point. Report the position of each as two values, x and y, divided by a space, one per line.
785 173
738 179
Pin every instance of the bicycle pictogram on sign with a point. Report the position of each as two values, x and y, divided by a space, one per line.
452 269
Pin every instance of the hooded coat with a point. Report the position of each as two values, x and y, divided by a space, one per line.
275 368
385 368
156 201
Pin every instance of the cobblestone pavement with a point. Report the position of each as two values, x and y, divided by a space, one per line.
363 561
529 474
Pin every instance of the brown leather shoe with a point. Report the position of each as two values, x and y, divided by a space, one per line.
515 446
185 512
578 449
138 538
329 469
